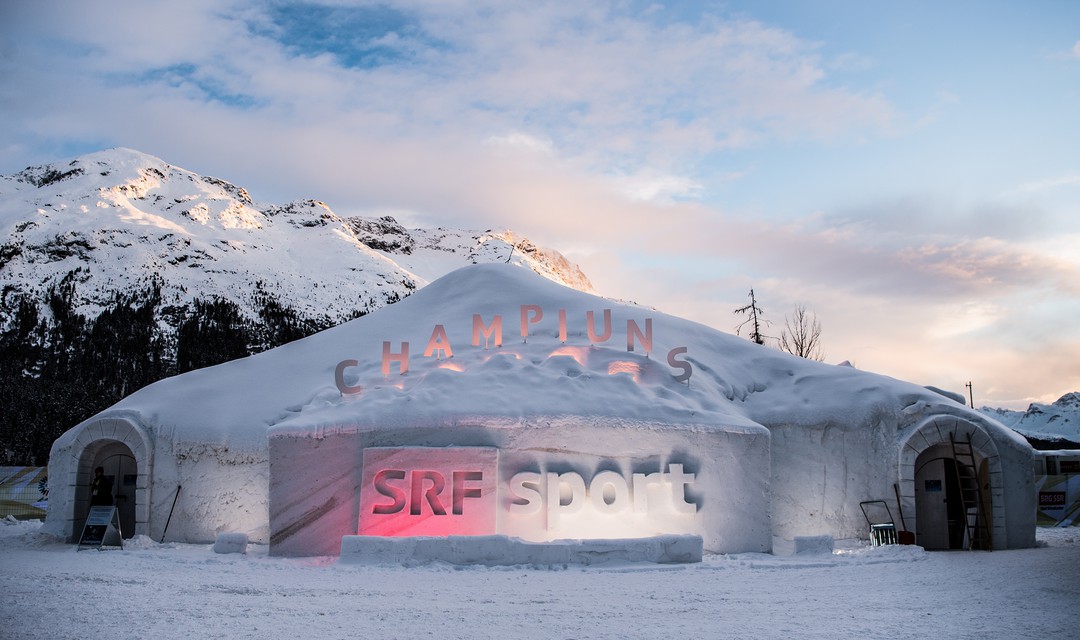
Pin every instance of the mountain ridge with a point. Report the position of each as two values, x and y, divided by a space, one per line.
205 236
118 269
1046 426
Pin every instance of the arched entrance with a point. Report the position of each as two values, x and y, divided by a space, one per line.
936 477
122 448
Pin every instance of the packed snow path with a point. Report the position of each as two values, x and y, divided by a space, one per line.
185 591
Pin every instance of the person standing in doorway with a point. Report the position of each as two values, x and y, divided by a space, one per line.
101 489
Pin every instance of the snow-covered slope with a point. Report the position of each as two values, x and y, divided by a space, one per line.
1059 420
119 220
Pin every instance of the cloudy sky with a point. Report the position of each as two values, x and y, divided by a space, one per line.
909 172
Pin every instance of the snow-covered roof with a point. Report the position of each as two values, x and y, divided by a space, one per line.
734 383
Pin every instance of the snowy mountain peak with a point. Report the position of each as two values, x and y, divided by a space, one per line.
1070 401
1054 423
111 219
139 184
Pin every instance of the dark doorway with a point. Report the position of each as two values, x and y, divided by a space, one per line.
122 469
940 516
955 506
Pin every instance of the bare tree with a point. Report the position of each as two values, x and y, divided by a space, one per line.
754 320
802 335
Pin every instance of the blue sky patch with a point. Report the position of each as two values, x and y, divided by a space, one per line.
359 37
189 75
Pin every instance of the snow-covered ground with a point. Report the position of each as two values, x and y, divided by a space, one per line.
187 591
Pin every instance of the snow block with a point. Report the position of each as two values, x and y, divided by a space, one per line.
500 550
800 545
813 544
231 543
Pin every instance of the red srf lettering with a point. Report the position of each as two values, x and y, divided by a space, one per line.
460 491
383 486
431 494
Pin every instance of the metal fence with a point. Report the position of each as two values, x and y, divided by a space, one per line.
24 492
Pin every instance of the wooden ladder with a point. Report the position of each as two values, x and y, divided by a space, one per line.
971 495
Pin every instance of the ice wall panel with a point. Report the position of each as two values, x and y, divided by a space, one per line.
428 491
727 502
314 490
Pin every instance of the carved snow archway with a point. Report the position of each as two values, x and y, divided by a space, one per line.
92 439
937 430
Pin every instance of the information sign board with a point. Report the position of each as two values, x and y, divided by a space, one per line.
102 529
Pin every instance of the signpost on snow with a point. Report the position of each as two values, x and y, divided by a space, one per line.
102 529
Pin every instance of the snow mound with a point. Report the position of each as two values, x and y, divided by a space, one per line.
733 381
25 533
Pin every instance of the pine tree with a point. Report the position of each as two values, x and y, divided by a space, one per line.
754 319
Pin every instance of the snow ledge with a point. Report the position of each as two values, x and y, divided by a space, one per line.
500 550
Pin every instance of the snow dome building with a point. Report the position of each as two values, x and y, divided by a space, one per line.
496 402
